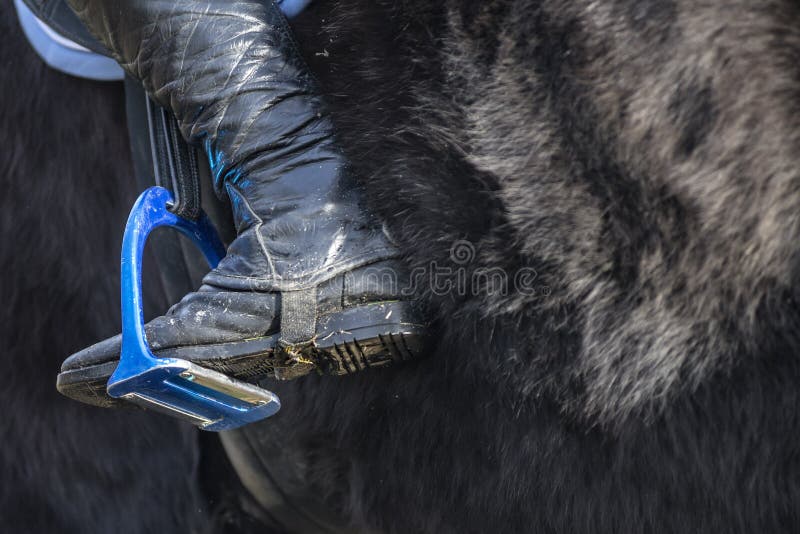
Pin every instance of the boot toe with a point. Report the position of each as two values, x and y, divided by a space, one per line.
105 351
203 323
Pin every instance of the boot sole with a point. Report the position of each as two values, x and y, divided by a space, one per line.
368 336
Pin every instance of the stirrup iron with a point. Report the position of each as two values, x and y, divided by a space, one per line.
206 398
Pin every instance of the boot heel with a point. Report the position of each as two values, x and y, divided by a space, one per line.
372 335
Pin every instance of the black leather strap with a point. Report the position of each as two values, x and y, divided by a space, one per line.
159 160
174 162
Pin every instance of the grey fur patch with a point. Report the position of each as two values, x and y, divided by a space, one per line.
661 181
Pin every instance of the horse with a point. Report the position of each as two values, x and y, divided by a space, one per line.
598 205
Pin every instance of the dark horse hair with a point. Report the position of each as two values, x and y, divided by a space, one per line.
601 201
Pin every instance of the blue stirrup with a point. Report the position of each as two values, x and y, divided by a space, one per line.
206 398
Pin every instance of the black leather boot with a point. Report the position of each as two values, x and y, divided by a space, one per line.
311 281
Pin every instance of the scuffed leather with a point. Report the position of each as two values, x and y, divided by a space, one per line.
213 315
194 321
232 75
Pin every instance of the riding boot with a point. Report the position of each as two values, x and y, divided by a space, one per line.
311 281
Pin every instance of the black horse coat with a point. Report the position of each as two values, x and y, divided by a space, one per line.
601 202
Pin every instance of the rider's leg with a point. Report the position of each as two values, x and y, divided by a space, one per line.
308 261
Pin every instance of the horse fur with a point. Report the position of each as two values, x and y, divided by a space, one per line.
639 156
